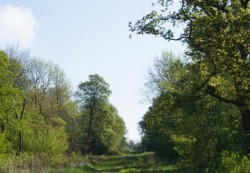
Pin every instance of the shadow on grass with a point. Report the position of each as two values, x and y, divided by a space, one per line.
80 169
127 164
135 162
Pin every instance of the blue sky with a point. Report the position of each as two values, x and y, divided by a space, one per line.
89 37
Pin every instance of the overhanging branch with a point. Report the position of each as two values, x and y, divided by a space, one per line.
212 92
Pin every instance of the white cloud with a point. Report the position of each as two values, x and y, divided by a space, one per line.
17 26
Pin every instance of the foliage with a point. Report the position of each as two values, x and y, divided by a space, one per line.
208 95
186 123
234 163
133 146
102 128
10 98
44 108
164 117
36 110
34 106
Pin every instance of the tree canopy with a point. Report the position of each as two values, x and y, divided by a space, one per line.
37 109
217 35
200 102
103 129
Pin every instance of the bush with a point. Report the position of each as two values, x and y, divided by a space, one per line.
53 142
184 148
75 159
234 163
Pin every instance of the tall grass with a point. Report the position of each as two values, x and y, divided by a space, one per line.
24 163
39 162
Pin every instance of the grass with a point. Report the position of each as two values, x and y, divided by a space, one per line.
82 169
128 163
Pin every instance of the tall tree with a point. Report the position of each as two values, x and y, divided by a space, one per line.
10 98
218 38
44 105
91 95
103 129
17 59
197 130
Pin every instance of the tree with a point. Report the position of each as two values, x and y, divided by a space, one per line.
103 129
10 99
195 128
42 108
48 108
109 130
166 83
22 82
218 38
91 95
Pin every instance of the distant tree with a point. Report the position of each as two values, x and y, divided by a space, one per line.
135 146
91 96
102 127
109 130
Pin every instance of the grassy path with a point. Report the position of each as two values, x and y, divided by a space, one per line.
142 162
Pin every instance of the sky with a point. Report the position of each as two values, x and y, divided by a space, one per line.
89 37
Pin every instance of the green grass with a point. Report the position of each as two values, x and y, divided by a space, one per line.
83 169
129 163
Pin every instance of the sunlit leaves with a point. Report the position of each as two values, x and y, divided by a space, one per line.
193 125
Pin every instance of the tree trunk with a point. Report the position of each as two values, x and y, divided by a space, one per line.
20 134
245 115
89 135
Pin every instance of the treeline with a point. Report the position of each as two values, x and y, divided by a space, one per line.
189 125
39 113
200 112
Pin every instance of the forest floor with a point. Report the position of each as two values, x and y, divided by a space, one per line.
126 163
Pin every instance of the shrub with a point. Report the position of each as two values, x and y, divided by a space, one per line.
75 159
184 148
234 163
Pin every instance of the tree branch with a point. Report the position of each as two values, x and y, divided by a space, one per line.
212 92
217 6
